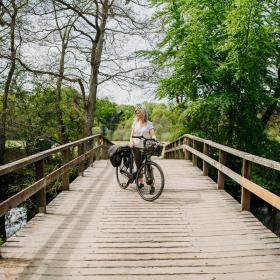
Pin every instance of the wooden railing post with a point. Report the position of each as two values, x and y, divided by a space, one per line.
182 154
40 195
81 165
205 164
245 194
65 176
168 154
194 157
92 155
186 152
182 150
102 150
221 176
86 147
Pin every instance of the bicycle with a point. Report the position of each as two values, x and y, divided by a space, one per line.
152 173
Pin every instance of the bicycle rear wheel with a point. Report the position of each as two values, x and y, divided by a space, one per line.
123 175
153 181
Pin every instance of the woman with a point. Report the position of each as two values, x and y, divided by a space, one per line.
140 127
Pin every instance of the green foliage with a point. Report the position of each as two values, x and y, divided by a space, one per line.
218 58
72 112
32 117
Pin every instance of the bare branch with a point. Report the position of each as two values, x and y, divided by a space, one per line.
80 13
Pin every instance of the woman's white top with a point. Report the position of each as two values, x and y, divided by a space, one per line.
141 129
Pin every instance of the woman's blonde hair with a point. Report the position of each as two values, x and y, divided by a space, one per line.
143 113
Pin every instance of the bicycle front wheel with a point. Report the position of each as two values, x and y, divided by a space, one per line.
152 175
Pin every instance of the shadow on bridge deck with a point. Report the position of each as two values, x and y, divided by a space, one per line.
99 231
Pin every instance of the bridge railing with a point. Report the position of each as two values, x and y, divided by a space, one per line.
188 145
88 149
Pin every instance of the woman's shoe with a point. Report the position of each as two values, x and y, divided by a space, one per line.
140 186
152 190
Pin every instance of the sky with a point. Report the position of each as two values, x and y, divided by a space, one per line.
125 94
131 94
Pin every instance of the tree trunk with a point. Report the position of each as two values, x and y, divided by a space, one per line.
96 53
3 121
273 106
63 137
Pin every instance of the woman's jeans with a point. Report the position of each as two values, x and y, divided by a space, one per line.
138 154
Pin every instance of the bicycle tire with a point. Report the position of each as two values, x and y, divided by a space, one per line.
122 177
153 178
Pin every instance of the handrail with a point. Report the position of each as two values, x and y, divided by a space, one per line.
39 187
175 149
252 158
12 166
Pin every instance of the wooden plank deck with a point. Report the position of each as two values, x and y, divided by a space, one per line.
99 231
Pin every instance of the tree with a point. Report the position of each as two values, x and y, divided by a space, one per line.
220 61
10 12
100 22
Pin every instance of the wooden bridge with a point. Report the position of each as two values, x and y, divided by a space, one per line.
95 230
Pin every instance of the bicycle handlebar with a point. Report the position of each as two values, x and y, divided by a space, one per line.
145 139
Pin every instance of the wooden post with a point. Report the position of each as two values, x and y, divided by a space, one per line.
245 194
65 176
221 176
205 164
186 152
41 195
182 151
81 165
101 142
86 147
194 157
92 155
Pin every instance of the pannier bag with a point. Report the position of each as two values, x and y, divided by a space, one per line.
116 153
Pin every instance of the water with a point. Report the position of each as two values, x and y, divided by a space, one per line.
14 220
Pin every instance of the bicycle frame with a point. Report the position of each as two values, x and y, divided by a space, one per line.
144 160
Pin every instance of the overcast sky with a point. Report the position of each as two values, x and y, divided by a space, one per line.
132 94
124 94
